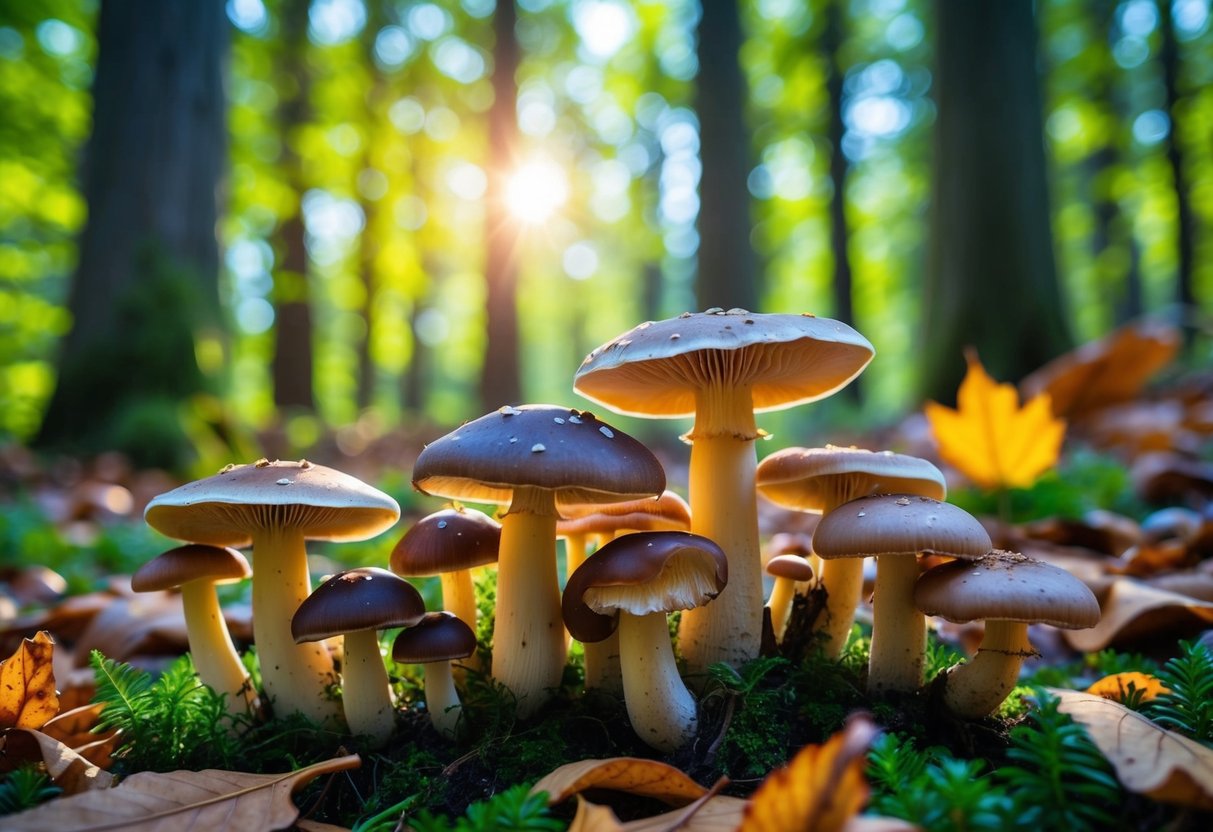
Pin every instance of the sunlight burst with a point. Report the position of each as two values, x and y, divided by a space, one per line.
536 191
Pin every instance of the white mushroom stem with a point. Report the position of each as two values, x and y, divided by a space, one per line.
724 509
660 707
528 637
843 582
441 698
977 687
214 654
366 693
575 548
459 596
779 603
899 630
603 671
297 677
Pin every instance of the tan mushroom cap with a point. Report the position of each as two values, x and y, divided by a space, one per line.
447 541
1006 586
655 368
570 452
192 562
792 567
368 598
227 508
669 513
437 637
899 524
807 479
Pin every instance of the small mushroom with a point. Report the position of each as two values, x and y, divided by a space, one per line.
434 642
631 584
355 604
787 570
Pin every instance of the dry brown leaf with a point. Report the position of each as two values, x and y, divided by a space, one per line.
874 823
317 826
1120 686
27 684
1149 760
820 790
181 801
593 817
1133 610
70 769
633 775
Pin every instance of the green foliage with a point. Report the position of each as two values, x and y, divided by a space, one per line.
1188 708
1089 668
513 809
763 706
24 788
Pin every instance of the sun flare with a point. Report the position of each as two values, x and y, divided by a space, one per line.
536 190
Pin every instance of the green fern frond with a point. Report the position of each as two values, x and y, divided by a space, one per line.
24 788
513 810
1188 707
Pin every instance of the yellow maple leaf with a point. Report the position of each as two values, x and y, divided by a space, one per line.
991 439
27 684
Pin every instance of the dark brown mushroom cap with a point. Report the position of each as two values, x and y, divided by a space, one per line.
227 508
793 567
655 369
669 565
192 562
1006 586
447 541
437 637
546 446
368 598
899 524
806 479
667 513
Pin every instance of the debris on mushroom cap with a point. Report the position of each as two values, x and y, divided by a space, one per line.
899 524
793 567
437 637
368 598
808 479
1006 586
192 562
445 541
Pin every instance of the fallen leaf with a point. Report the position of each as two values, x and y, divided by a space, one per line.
632 775
27 684
317 826
1119 687
991 439
1148 759
594 817
68 768
1132 611
183 801
820 790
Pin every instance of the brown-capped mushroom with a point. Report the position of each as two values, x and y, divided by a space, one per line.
435 641
787 570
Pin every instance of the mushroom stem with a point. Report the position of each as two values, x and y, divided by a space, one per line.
459 596
899 630
296 676
724 508
575 548
843 582
779 603
661 709
977 687
602 668
365 690
441 698
528 637
215 657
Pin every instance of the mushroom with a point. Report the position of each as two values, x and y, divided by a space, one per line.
355 604
434 642
722 368
277 506
818 480
632 583
895 528
787 570
528 458
1009 591
196 569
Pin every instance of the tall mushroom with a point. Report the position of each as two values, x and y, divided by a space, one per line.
528 458
722 368
632 583
818 480
276 506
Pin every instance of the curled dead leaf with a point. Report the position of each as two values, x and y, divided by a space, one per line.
27 684
69 769
632 775
1133 610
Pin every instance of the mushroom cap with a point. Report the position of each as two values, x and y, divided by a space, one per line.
437 637
447 541
227 508
1006 586
667 513
793 567
368 598
809 479
655 369
570 452
790 543
192 562
642 573
899 524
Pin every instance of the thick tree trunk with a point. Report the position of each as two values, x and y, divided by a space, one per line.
146 285
1185 219
992 282
727 273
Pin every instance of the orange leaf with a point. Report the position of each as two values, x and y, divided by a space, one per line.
991 439
27 684
1119 687
820 790
633 775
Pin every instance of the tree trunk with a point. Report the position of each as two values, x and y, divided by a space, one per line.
1185 219
992 281
727 274
368 252
146 285
500 380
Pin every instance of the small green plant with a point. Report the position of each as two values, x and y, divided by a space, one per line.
514 809
24 788
1188 707
756 740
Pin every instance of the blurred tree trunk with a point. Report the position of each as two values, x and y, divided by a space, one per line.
500 379
145 292
992 282
727 273
1185 219
368 241
292 365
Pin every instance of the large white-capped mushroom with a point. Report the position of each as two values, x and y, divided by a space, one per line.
632 583
1008 591
357 604
196 569
528 458
434 642
276 506
722 368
